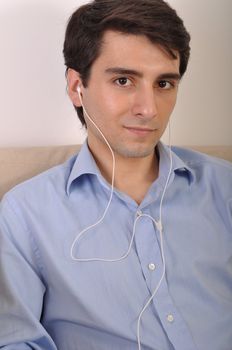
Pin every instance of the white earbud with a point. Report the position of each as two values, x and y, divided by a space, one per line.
79 93
78 89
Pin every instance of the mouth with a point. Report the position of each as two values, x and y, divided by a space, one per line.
138 130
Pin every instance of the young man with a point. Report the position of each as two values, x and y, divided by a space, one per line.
127 245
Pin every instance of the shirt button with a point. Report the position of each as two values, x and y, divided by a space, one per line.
170 318
151 267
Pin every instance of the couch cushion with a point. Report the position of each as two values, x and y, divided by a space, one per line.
19 164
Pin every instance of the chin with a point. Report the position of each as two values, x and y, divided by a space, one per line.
134 152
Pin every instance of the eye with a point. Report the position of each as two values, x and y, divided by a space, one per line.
123 81
165 85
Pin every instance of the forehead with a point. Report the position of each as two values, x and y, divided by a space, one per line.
133 51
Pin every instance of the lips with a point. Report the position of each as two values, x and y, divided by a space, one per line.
139 130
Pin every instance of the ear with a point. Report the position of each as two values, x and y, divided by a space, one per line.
73 80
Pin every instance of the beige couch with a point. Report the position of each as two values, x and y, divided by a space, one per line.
19 164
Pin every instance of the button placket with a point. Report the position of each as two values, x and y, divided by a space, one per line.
148 250
147 247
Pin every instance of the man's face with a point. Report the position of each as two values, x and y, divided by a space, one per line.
130 95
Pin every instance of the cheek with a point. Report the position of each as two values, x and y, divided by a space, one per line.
104 104
168 104
103 114
115 103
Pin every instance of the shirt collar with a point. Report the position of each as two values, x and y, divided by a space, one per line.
179 167
85 164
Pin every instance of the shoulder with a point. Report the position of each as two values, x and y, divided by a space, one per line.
214 172
201 160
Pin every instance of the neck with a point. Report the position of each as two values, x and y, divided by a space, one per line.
133 176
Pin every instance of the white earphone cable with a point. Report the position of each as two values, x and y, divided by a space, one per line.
158 224
111 192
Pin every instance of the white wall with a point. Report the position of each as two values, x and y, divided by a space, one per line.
35 109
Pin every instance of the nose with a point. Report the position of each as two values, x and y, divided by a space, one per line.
145 103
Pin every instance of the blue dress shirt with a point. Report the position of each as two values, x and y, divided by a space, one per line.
49 301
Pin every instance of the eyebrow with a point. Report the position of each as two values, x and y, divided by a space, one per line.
173 76
126 71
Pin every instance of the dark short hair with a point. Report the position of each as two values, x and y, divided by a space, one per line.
153 18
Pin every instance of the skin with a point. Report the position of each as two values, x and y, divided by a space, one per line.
130 95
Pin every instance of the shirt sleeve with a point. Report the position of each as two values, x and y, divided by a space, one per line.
21 287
